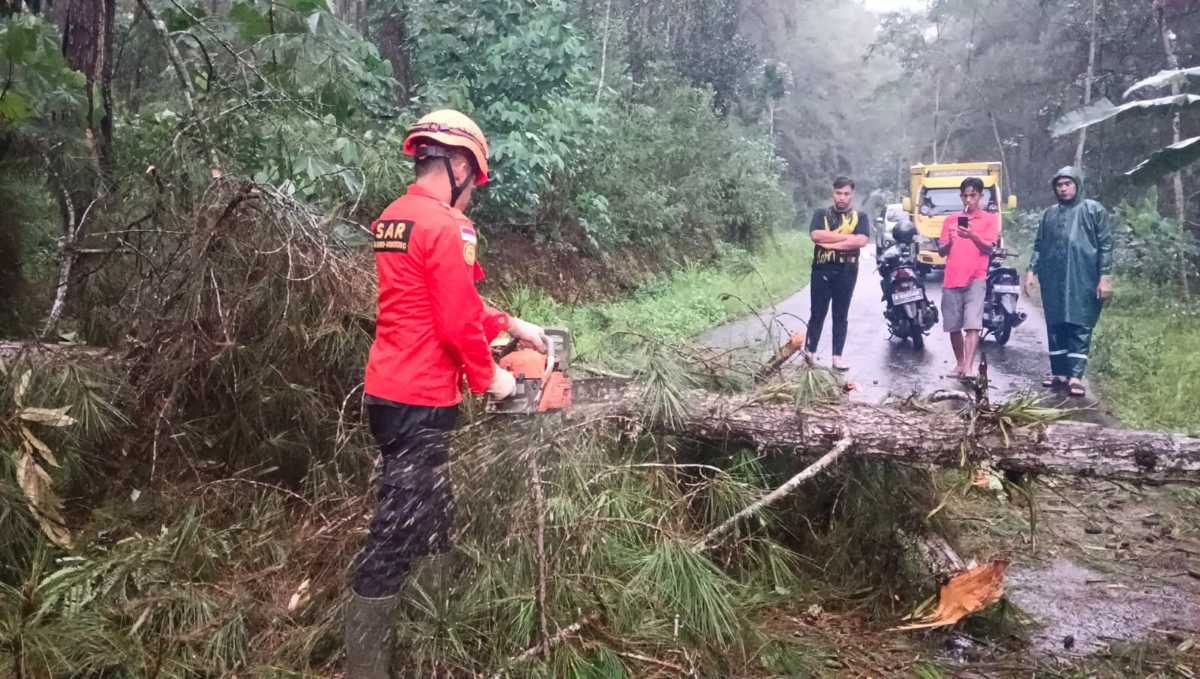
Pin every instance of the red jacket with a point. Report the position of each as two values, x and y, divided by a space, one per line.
432 328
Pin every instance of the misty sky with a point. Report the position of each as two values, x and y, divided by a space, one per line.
893 5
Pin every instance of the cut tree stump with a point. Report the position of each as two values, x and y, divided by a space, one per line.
914 436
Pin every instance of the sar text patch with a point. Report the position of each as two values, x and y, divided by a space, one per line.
391 235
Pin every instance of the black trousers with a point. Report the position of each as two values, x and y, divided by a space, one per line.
1070 345
415 506
831 284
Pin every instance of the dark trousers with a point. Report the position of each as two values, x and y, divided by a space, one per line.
1070 345
415 506
833 283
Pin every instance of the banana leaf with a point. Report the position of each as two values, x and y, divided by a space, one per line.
1104 109
1164 161
1164 78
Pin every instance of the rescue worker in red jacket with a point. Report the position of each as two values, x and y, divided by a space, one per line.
432 332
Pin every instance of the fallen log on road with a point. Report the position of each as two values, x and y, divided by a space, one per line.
916 436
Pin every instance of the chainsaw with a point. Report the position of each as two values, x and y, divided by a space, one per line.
543 383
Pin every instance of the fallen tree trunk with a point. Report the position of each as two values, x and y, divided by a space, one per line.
916 436
902 435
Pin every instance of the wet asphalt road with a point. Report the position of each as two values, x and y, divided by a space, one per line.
882 366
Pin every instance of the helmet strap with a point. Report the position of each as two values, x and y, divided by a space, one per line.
456 189
432 151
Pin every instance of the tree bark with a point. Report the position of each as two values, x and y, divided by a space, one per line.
913 436
1010 176
1168 41
908 436
390 36
87 28
603 51
937 111
1087 86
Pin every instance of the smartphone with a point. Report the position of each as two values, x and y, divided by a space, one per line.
963 222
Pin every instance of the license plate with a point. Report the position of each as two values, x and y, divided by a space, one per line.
1011 289
906 296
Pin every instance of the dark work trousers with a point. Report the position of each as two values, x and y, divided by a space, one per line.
1070 345
830 283
414 509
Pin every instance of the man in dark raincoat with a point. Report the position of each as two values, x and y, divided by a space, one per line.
1072 262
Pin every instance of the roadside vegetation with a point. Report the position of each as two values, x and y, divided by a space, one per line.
1149 335
678 305
1145 355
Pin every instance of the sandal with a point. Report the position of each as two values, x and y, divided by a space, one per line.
1053 382
1077 390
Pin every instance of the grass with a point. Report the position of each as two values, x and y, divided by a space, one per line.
679 305
1144 354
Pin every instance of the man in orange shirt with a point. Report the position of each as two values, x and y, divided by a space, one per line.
967 240
432 332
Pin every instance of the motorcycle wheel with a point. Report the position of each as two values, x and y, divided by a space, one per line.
1001 336
918 339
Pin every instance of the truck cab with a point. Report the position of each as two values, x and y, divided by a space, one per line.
935 194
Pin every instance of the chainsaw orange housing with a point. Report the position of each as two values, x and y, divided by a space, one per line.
556 395
527 363
530 364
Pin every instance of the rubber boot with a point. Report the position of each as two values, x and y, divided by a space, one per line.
367 629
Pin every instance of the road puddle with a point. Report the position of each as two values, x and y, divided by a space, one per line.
1080 611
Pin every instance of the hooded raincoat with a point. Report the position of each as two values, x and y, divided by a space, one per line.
1072 251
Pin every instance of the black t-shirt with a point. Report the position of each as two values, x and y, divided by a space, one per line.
828 219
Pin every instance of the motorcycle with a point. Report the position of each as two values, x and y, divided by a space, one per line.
907 309
1000 313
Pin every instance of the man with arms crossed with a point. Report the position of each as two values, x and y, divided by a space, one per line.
967 240
838 233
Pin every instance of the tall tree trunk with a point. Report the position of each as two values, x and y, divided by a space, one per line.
937 111
1168 41
87 28
604 50
87 44
1010 176
1087 86
390 36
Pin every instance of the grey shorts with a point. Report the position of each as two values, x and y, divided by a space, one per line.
962 308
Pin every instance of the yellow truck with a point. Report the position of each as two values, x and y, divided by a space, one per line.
935 194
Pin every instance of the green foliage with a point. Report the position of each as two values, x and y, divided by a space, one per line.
856 523
150 605
676 306
1162 161
77 451
1143 353
304 105
39 90
655 174
1151 247
518 68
